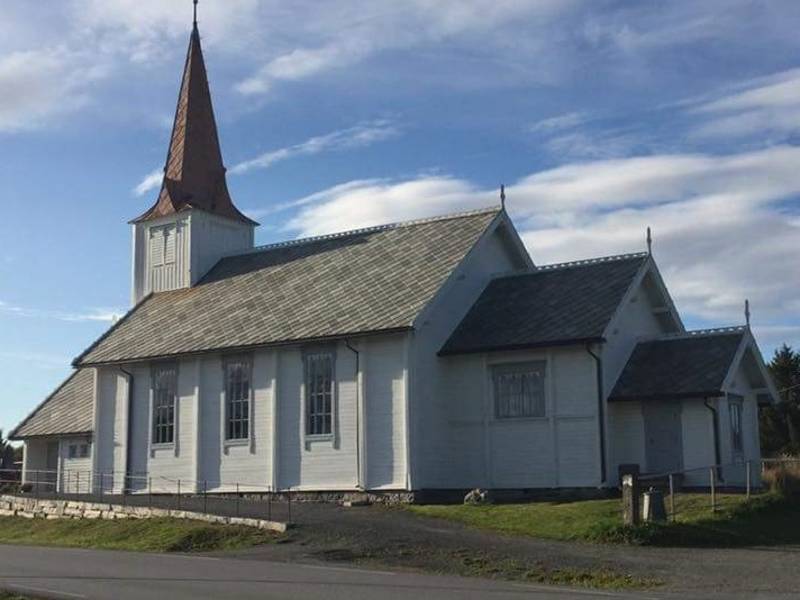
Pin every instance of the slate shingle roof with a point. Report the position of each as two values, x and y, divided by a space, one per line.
553 305
691 365
68 410
368 280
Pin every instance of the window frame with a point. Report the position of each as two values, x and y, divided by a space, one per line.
736 426
165 236
534 365
309 356
154 406
72 451
247 360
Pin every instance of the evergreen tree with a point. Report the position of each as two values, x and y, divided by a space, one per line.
780 424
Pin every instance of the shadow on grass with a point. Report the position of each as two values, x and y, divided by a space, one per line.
770 520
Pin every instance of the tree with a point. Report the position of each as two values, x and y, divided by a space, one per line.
780 424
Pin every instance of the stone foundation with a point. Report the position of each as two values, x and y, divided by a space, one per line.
31 508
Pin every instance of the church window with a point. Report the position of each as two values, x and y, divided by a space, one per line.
164 403
238 393
319 393
519 390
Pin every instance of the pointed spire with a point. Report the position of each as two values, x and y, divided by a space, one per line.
649 241
747 312
194 21
194 174
502 195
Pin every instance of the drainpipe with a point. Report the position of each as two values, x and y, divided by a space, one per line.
715 421
360 483
129 426
600 411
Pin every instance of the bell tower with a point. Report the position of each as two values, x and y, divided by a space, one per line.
194 221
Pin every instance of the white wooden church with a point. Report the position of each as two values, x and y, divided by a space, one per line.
425 355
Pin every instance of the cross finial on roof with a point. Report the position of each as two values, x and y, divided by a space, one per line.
502 195
194 21
747 312
649 241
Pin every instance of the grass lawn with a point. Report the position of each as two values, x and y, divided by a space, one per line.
142 535
767 519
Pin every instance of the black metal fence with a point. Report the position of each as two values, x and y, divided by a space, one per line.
232 499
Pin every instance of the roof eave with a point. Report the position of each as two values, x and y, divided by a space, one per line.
525 346
667 396
250 347
21 438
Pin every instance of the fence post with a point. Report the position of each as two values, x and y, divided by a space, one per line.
205 496
150 493
78 482
36 484
238 499
712 472
179 494
672 496
630 499
747 469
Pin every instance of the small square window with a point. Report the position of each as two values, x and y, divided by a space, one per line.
519 390
73 451
84 451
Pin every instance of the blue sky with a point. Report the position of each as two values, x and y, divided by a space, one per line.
601 117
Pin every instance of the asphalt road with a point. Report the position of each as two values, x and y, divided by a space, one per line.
91 574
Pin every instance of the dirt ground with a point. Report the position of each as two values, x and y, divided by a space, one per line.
393 538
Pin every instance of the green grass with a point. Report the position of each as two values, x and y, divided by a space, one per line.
141 535
11 596
768 519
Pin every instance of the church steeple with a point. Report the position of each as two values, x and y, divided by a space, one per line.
194 222
194 175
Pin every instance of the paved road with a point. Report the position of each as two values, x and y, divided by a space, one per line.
69 574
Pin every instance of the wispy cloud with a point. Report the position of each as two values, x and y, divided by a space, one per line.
149 182
720 233
361 135
766 106
106 315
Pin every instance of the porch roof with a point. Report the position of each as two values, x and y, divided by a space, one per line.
694 364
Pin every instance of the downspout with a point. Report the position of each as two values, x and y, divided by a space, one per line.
715 421
359 482
600 411
129 427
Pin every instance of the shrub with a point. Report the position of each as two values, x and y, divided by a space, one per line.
783 478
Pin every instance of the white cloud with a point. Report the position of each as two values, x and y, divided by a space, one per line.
349 32
359 136
560 122
149 182
764 107
39 84
105 315
719 234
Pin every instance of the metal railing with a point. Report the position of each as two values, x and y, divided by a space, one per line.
230 499
719 487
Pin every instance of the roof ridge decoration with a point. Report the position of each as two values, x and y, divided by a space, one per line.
194 173
696 333
371 229
590 261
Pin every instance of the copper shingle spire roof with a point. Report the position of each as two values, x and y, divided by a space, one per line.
194 176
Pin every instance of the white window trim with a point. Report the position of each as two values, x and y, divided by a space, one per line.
520 361
176 413
319 437
245 441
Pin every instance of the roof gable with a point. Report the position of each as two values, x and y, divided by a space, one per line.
68 410
552 305
356 282
680 366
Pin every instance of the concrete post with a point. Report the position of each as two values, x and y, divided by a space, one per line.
631 514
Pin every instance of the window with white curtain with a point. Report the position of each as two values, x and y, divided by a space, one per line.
238 391
319 393
165 391
519 390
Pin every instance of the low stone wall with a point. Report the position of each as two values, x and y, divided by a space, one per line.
31 508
